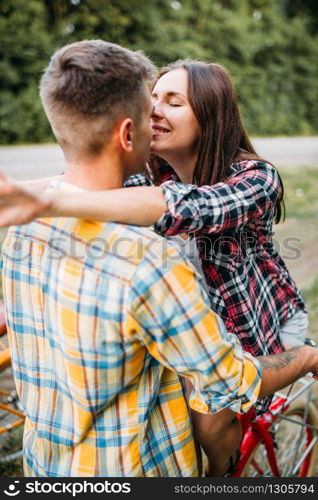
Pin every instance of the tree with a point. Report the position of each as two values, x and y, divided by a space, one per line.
25 45
269 46
307 9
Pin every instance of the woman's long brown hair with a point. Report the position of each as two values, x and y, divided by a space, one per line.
223 139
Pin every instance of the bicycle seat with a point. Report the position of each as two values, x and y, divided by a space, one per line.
311 342
3 326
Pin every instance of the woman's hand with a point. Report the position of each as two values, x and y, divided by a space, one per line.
19 204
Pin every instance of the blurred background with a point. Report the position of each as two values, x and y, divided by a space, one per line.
269 46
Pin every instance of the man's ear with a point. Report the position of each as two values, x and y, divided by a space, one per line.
126 135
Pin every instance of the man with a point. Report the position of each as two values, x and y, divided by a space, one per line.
104 318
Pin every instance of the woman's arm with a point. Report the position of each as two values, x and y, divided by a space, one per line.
21 202
177 208
140 206
174 207
38 184
244 197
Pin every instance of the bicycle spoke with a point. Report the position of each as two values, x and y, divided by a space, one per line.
257 468
308 450
301 432
296 443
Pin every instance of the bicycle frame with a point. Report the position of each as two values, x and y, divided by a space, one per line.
256 429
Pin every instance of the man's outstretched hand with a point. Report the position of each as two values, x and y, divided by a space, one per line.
19 205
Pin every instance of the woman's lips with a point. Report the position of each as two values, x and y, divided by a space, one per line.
159 130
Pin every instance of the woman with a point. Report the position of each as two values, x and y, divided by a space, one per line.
227 201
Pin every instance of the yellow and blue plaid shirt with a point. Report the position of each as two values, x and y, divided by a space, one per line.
103 319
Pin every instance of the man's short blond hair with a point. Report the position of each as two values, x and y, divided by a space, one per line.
89 86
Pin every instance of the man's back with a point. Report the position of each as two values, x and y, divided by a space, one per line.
79 367
99 315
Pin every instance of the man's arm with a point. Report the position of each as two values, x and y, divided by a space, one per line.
280 370
178 328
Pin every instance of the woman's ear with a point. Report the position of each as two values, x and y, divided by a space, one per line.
126 135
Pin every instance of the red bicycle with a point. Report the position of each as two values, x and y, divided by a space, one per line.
283 442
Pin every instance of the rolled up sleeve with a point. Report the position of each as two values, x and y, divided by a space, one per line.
240 400
245 196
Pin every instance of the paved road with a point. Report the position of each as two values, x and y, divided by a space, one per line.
31 162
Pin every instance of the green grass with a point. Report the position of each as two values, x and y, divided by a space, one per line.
301 187
310 295
8 445
301 200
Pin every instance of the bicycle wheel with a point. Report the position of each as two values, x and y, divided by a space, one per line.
296 444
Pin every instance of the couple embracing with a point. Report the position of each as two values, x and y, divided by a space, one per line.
123 359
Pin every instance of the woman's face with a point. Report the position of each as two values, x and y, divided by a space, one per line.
176 131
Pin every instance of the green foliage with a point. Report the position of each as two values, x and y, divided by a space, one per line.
308 9
269 46
25 49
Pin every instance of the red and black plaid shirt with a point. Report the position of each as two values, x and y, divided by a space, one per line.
248 283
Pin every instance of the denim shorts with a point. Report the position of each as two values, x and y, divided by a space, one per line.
295 330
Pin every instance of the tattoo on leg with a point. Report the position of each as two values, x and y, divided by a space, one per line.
279 361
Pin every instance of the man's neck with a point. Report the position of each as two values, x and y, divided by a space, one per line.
105 172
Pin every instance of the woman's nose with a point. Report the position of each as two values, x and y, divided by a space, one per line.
156 113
